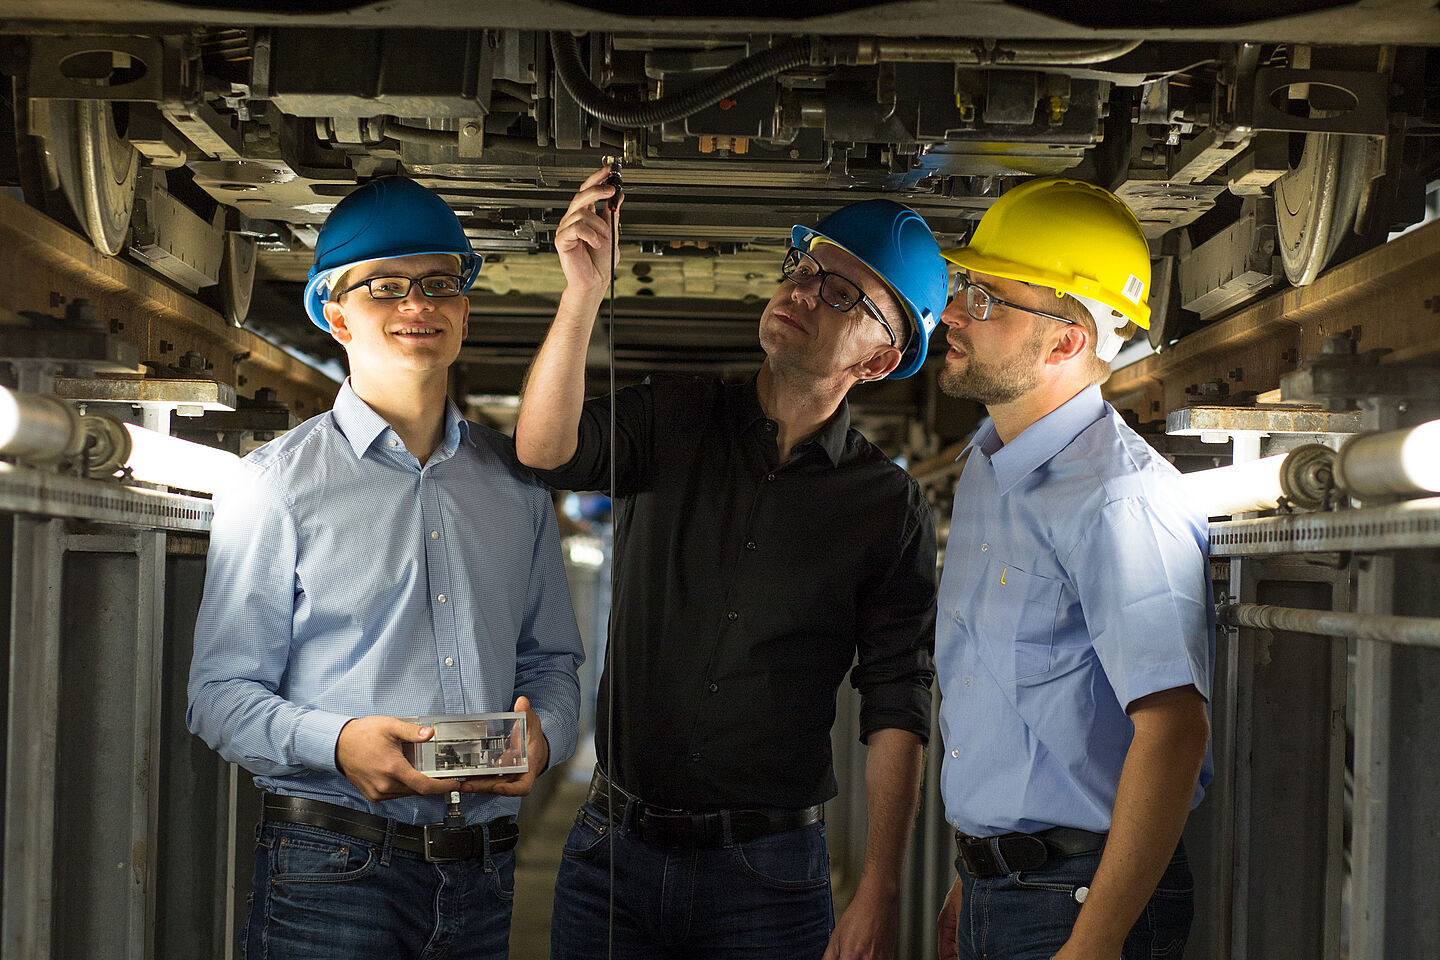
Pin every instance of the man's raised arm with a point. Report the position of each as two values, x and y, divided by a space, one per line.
545 435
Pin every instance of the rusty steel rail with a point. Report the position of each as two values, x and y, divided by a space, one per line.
53 266
1388 298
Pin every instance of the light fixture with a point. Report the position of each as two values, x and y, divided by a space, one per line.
43 430
1369 466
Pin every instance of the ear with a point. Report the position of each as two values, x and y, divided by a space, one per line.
335 316
1069 344
877 366
465 319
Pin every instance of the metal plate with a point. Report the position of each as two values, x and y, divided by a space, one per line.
1409 525
56 495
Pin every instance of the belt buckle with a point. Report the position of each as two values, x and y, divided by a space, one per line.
443 844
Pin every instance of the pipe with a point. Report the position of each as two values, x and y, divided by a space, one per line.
39 428
973 51
1397 463
1408 631
1238 488
628 115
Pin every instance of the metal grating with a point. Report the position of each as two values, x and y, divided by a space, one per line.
54 495
1409 525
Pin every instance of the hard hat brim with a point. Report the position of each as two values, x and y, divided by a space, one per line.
970 259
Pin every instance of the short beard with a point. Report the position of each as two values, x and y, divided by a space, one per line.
995 385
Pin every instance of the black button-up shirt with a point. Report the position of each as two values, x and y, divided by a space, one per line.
744 588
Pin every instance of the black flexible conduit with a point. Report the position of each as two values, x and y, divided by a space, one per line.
628 115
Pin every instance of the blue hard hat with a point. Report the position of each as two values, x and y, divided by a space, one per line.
386 218
895 242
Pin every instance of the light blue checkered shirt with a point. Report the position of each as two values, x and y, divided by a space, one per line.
346 580
1076 582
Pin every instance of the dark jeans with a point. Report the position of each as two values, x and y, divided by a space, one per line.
319 894
761 899
1029 915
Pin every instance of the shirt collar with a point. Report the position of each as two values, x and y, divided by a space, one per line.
360 425
1041 440
831 436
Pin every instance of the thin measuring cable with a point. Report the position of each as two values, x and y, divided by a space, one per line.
610 643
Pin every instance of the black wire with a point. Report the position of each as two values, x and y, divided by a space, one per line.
610 642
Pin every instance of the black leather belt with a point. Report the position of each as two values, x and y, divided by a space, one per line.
665 827
1011 852
433 841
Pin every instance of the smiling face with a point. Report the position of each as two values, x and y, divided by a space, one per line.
798 330
414 335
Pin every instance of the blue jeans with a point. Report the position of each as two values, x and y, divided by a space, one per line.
761 899
1029 915
319 894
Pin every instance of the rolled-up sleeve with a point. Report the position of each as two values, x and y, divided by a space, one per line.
895 636
548 652
589 468
242 639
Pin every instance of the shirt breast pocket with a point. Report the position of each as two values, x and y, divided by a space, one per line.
1020 620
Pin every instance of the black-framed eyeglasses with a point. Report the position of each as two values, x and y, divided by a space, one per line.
979 301
398 288
836 291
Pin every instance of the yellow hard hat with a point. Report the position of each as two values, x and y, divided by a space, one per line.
1069 235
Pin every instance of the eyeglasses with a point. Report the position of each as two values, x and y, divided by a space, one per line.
979 301
398 288
800 268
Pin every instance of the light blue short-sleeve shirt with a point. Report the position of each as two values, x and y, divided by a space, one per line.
1076 582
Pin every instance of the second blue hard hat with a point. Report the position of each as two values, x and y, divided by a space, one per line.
386 218
896 243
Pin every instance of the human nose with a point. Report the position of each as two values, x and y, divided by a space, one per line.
955 314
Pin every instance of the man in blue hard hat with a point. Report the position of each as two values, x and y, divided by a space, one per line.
385 559
761 546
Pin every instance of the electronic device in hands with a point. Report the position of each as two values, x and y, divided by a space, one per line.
470 745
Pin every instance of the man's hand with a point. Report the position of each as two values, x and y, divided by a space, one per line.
949 924
583 238
867 929
538 748
369 754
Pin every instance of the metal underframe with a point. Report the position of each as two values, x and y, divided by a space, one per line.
55 495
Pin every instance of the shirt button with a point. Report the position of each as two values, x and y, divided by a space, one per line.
749 544
732 616
714 687
441 598
394 442
955 753
434 534
449 661
770 425
984 548
770 476
696 758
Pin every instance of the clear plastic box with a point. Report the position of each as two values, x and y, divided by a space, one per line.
470 745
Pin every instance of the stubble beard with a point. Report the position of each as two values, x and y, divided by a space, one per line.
993 384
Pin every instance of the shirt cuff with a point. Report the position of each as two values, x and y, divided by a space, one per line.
316 734
559 735
896 706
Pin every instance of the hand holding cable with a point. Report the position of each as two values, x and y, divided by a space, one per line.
585 241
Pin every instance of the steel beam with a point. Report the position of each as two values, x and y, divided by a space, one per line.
60 267
1387 293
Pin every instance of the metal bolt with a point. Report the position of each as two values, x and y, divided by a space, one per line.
471 129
